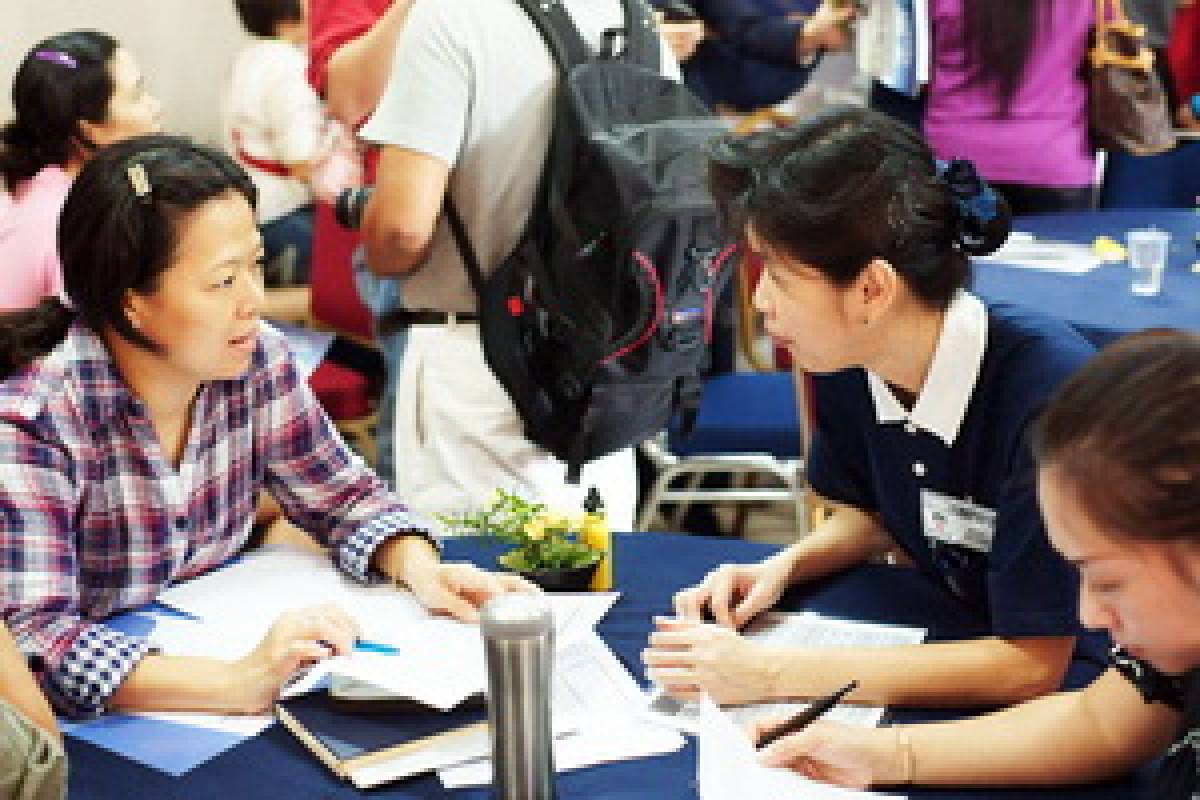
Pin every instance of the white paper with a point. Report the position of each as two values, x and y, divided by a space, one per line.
448 750
808 630
604 742
576 615
727 767
1025 250
440 669
439 661
253 591
597 699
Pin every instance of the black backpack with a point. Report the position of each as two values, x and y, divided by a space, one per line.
598 323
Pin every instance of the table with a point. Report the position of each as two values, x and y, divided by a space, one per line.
1099 302
649 568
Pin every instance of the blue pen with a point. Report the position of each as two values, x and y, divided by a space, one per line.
367 646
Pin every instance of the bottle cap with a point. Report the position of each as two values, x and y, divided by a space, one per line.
516 616
593 503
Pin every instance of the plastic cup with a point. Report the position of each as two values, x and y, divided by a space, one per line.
1148 258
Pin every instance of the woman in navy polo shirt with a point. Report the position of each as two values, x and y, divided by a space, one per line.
1118 453
924 397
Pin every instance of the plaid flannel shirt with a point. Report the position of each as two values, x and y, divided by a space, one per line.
94 520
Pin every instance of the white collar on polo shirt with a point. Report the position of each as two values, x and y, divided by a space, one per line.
942 404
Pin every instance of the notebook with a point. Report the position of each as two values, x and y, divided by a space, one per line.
369 749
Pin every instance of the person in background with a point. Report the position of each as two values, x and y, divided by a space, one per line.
351 44
1158 16
1183 57
468 108
33 764
755 53
923 396
277 129
73 93
137 428
1007 92
1118 454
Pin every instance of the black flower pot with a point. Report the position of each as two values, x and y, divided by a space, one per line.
565 579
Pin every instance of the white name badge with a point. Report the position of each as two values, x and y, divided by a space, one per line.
956 521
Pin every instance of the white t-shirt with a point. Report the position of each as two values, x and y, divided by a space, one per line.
272 114
472 84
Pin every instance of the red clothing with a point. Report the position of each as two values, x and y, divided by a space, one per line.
332 23
1184 52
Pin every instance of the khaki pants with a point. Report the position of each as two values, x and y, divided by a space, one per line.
458 437
32 765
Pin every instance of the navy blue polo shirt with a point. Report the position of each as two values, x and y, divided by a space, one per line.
1022 585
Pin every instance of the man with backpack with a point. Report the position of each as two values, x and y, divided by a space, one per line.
468 114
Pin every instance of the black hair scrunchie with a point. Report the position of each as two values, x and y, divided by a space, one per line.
983 214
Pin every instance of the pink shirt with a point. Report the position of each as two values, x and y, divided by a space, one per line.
1043 139
29 265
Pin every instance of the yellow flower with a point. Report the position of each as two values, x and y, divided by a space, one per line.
558 522
535 529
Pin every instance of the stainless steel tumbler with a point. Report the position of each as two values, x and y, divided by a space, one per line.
518 638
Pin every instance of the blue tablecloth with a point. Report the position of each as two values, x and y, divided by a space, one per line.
1099 302
649 569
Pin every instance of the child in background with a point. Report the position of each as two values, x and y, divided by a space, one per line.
277 128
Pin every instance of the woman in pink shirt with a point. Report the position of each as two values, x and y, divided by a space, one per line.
1006 91
73 93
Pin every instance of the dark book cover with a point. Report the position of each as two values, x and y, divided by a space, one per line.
348 741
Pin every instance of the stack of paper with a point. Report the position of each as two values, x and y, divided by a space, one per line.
434 660
599 716
808 630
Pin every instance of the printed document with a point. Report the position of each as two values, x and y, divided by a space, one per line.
807 629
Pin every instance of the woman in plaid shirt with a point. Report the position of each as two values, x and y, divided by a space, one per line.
137 428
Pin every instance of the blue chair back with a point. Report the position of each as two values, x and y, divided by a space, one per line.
1167 180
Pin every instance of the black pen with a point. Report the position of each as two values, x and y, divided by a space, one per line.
806 717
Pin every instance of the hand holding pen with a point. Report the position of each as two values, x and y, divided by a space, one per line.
804 718
829 752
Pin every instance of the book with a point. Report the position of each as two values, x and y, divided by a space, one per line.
372 748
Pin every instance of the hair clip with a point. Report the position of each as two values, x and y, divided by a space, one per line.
139 181
56 57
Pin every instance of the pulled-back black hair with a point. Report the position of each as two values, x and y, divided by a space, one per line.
62 81
850 185
113 239
261 16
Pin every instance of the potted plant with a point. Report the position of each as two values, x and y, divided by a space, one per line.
547 547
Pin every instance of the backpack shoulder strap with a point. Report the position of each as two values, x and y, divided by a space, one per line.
642 44
559 32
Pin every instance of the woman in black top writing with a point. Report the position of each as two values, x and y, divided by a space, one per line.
1119 480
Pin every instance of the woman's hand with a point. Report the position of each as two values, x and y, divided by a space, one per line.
691 659
839 754
297 639
827 29
460 590
456 590
736 593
